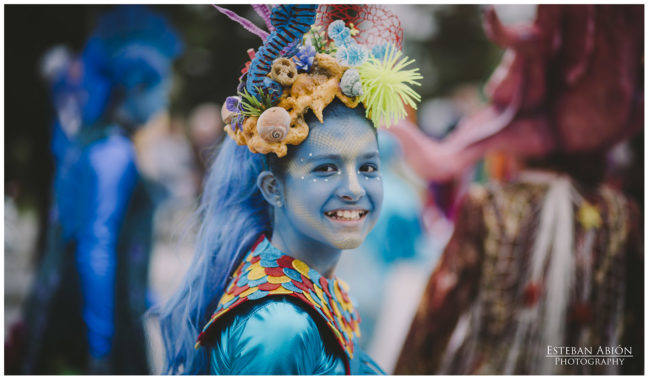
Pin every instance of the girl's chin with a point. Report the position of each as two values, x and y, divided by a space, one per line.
348 242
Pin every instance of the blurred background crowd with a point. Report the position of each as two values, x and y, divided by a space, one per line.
173 147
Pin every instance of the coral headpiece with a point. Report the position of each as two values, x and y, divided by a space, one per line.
311 56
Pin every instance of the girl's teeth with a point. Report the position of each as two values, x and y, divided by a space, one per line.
346 214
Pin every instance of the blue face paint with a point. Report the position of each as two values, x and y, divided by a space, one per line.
331 192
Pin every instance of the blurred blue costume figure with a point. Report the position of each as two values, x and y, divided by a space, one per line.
261 296
102 212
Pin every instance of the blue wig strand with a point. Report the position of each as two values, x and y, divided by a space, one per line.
233 214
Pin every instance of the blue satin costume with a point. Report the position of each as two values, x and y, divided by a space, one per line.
280 335
133 47
274 337
102 213
95 176
107 175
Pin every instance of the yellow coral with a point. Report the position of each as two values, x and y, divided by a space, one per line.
310 91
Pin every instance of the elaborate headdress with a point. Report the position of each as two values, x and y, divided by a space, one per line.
312 56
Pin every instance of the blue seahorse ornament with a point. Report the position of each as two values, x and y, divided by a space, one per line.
291 22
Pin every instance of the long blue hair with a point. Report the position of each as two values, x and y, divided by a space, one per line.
233 214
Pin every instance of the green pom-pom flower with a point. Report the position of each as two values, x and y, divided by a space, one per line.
386 87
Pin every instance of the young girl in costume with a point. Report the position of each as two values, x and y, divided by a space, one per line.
298 182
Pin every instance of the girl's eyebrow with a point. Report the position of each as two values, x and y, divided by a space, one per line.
330 156
334 156
372 154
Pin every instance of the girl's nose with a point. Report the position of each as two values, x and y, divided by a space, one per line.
350 188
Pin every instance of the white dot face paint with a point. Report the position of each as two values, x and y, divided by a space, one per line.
327 195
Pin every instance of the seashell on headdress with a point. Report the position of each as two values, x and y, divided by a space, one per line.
300 67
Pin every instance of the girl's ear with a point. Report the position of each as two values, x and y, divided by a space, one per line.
270 188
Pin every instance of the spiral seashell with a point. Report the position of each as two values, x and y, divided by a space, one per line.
273 124
350 83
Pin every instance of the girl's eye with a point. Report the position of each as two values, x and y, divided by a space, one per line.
369 168
326 168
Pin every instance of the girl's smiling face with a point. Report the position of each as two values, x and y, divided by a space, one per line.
332 186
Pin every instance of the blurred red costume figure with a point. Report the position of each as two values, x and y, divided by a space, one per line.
544 274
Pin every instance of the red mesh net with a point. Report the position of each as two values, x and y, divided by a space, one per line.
375 23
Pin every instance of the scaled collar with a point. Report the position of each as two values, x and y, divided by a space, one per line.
266 271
